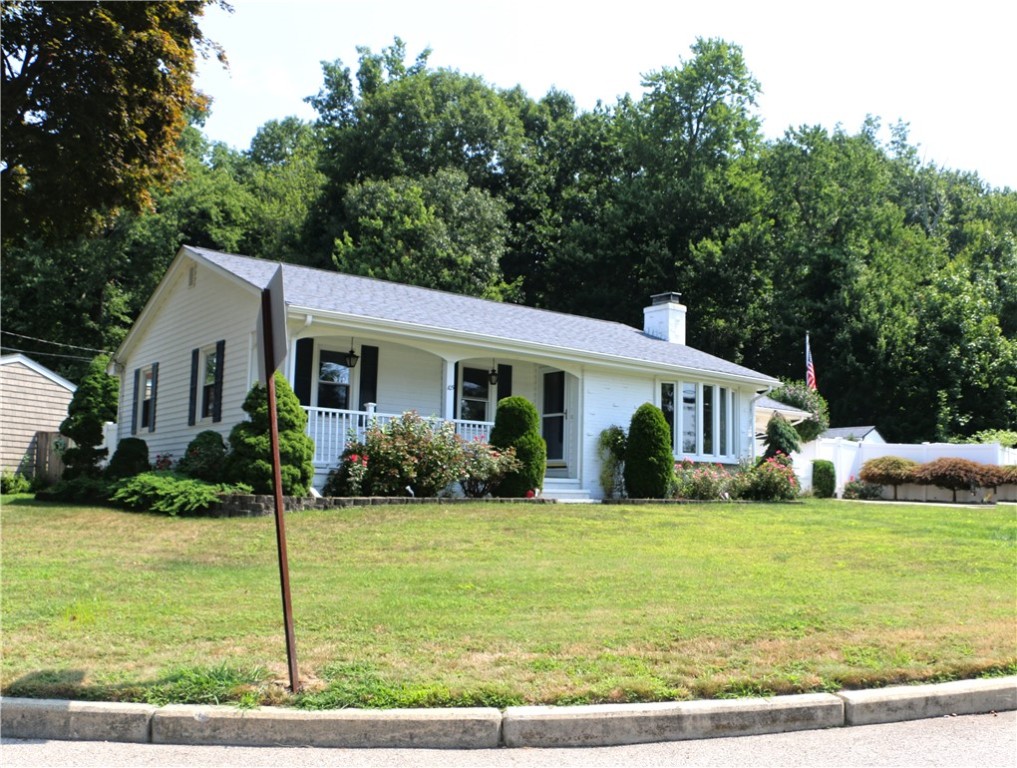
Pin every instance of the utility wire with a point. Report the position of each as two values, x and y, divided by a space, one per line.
44 354
55 343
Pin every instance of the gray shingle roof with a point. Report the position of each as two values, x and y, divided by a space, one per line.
370 298
848 433
769 404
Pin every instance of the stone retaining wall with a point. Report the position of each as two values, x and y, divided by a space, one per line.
261 505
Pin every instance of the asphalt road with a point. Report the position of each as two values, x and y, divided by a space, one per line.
985 741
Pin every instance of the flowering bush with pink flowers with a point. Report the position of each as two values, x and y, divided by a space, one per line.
485 466
773 479
705 482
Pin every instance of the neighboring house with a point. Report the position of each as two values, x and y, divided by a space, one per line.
361 348
767 408
855 434
32 399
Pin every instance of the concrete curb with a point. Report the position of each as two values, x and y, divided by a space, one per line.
486 728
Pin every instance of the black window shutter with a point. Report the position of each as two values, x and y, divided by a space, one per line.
368 375
135 400
192 402
220 364
302 371
504 381
155 389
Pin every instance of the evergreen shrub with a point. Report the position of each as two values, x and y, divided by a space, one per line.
129 459
93 404
250 461
171 493
205 457
781 437
517 426
649 460
824 479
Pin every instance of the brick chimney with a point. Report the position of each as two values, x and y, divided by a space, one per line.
665 318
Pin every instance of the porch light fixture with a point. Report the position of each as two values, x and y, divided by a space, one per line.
492 376
350 358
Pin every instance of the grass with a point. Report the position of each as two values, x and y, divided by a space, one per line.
505 604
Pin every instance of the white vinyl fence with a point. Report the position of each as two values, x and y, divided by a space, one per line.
848 456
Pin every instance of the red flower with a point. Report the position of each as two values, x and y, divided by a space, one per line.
530 494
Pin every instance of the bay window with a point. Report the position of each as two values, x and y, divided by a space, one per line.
701 420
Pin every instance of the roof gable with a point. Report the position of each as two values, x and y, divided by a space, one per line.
350 295
42 370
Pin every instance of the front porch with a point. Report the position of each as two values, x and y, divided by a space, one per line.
332 428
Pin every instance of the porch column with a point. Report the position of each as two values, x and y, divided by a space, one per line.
449 400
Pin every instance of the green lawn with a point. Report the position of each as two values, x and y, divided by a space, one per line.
506 604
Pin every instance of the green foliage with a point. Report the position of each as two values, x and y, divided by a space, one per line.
1005 437
219 684
350 477
81 489
205 457
781 437
485 467
129 459
250 460
14 482
798 395
407 456
93 404
611 451
706 482
517 426
824 479
859 489
889 470
95 98
649 461
171 493
772 480
435 231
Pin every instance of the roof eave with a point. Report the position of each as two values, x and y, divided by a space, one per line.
526 348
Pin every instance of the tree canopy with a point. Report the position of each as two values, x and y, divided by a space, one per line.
95 96
903 273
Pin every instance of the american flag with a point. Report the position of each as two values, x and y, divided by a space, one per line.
810 369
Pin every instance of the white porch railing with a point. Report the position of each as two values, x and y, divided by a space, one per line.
330 428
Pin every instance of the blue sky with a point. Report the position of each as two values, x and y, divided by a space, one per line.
947 69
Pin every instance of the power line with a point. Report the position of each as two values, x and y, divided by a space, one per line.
55 343
44 354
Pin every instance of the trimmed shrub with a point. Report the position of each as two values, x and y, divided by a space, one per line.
517 426
93 404
798 395
952 474
781 437
649 460
171 493
205 457
129 459
889 470
83 489
824 479
250 461
611 450
772 480
859 489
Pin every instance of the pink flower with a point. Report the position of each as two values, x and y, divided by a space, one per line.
530 494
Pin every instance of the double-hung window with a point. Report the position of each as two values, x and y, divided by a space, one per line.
146 386
207 364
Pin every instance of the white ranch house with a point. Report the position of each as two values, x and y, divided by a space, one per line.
362 349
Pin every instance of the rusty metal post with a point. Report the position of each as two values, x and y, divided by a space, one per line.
280 524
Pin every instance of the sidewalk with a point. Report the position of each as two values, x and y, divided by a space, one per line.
485 728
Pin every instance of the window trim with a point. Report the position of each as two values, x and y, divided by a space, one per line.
490 403
142 376
316 377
